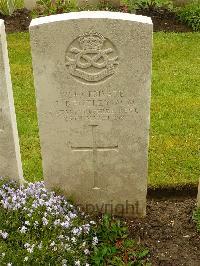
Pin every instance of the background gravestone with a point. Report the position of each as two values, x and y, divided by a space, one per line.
10 159
30 4
92 74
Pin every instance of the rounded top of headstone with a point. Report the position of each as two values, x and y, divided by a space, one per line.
91 15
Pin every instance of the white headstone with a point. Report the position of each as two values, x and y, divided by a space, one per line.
92 74
10 159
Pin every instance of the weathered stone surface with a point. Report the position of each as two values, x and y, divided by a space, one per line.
10 159
92 75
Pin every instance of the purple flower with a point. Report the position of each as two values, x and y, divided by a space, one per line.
4 234
23 229
45 221
95 241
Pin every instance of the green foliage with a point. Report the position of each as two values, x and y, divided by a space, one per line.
154 4
190 14
51 7
196 218
133 5
7 7
115 248
111 230
104 5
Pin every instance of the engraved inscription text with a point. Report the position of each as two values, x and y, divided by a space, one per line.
96 105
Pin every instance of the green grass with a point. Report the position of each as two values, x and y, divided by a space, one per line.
175 110
22 78
196 218
173 157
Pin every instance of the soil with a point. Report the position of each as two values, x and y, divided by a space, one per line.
173 192
169 232
19 21
163 20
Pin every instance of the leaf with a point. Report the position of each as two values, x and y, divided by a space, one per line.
143 253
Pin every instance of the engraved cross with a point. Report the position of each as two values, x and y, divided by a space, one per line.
95 148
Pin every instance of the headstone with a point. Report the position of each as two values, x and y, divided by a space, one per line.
92 74
10 159
30 4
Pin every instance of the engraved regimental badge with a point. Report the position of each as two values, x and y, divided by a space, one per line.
91 58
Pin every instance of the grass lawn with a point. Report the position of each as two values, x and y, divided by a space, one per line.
173 157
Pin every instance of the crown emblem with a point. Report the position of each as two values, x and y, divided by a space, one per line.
91 57
91 41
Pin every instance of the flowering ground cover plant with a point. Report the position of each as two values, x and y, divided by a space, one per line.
38 227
